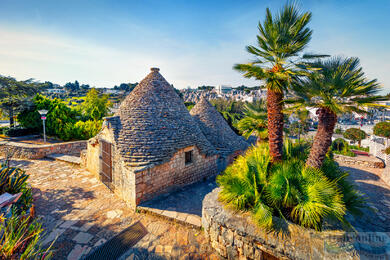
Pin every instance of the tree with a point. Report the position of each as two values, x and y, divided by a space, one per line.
59 120
382 129
127 87
281 39
85 86
14 95
206 88
232 111
95 106
301 126
355 134
71 87
254 121
337 86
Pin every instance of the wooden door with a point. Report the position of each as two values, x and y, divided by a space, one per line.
106 162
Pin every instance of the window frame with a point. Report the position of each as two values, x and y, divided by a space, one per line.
191 157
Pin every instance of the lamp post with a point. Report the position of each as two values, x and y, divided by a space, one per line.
43 114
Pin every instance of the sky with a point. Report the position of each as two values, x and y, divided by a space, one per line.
194 43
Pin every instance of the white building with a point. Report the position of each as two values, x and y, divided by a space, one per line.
56 90
111 91
223 89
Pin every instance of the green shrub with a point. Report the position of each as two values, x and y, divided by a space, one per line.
339 144
14 180
338 131
356 147
57 118
21 239
346 153
382 129
288 190
19 131
88 129
61 120
3 130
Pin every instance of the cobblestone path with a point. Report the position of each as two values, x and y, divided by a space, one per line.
377 193
79 210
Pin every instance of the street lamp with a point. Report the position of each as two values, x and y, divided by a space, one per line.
43 114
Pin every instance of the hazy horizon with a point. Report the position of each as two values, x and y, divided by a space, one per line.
105 43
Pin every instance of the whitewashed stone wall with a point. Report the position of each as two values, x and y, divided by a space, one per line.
377 145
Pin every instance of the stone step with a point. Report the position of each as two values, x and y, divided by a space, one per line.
65 158
187 219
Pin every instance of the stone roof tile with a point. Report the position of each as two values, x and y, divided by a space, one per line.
154 124
216 129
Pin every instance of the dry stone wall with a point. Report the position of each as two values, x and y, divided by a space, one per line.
235 236
366 161
36 151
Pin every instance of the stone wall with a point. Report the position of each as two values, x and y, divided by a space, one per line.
366 161
385 175
136 184
36 151
235 236
174 174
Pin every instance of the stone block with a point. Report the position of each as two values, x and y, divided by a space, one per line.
82 238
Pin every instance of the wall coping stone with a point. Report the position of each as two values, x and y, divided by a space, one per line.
236 235
38 151
17 144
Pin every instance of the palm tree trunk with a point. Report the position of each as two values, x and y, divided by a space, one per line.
275 124
322 141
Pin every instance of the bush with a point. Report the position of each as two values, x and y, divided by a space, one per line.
288 190
21 239
356 147
354 134
19 131
88 129
58 117
339 144
3 130
339 131
382 129
20 235
14 180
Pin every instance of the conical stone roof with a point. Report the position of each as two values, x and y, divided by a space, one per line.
155 123
216 129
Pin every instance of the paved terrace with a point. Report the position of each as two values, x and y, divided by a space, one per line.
83 213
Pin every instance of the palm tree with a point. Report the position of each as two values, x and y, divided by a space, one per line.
302 115
281 39
338 86
254 121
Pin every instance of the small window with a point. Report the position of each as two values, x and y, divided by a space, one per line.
188 157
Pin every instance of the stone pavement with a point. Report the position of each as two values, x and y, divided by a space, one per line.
377 193
82 213
184 205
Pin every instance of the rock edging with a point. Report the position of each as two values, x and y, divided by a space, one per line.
234 235
362 161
